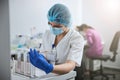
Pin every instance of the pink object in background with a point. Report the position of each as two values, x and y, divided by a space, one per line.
94 42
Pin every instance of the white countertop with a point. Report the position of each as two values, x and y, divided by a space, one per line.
70 75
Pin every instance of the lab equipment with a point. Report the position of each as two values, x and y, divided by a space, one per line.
59 14
39 75
19 54
23 65
39 61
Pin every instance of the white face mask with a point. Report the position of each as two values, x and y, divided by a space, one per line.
56 31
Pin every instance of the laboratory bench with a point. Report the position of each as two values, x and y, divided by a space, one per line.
21 69
69 76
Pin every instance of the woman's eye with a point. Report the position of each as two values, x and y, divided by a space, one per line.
49 23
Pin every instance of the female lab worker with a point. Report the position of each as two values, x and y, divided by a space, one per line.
94 42
62 47
93 47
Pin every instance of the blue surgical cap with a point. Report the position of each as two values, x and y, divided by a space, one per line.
60 14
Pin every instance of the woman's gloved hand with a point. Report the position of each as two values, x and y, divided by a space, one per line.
39 61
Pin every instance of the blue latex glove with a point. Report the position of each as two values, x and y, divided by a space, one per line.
39 61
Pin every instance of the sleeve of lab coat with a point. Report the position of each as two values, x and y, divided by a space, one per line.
76 49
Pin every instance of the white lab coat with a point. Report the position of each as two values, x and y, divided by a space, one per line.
69 48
